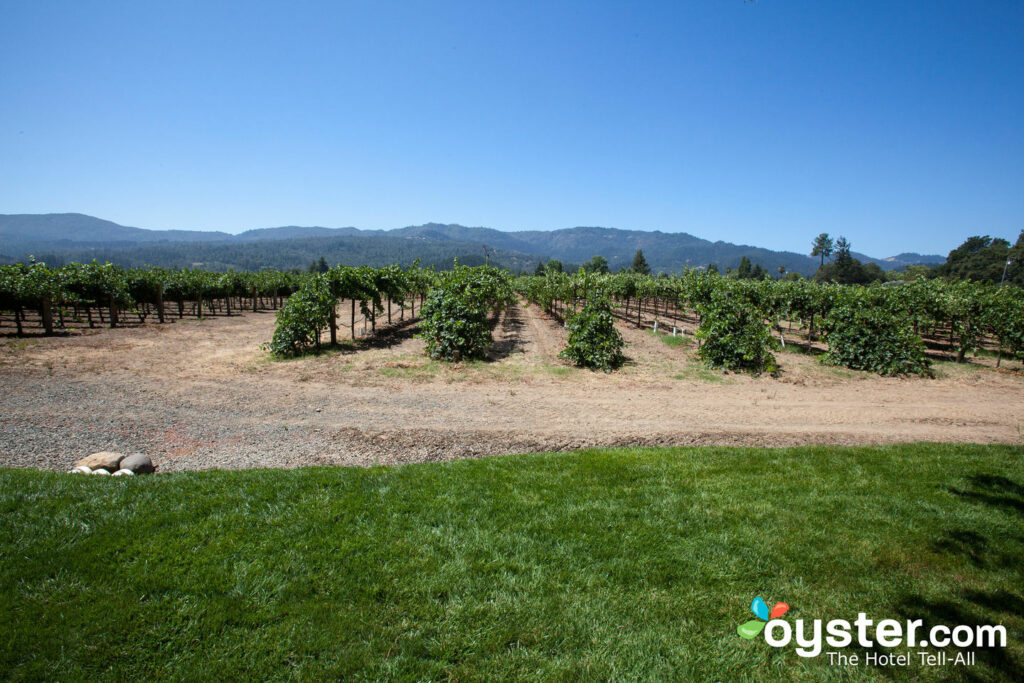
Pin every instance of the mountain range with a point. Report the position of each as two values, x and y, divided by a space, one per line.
76 237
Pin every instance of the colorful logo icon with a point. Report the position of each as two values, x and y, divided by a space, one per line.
751 628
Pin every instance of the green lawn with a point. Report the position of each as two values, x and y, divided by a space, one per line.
617 564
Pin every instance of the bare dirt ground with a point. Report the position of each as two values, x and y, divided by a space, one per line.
202 394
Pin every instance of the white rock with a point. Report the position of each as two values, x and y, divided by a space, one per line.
82 469
123 473
100 471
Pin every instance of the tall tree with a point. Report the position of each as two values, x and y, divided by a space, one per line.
822 247
842 249
539 270
597 264
640 263
745 269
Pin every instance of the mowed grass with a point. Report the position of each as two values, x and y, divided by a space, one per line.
612 564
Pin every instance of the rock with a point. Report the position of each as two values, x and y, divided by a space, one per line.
138 464
123 473
105 459
82 469
101 471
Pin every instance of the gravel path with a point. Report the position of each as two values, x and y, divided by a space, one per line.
201 394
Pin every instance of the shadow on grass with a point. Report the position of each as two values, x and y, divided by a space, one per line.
993 490
973 607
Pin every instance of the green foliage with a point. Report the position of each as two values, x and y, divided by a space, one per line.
983 259
640 266
734 334
597 264
303 317
1004 317
822 246
863 334
846 270
593 340
455 325
745 270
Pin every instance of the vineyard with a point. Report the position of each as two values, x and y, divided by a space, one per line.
737 324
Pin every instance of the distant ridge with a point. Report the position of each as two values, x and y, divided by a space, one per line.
73 236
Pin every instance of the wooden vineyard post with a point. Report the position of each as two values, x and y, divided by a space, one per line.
353 326
113 312
46 313
253 299
160 303
17 320
334 323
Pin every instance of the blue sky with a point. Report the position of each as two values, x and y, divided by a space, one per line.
897 124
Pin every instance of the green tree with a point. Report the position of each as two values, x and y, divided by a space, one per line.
983 259
846 270
640 263
822 247
539 270
842 249
319 266
597 264
744 271
553 266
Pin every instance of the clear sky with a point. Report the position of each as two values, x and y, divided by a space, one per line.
898 124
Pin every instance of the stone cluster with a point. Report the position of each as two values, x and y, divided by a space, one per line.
114 464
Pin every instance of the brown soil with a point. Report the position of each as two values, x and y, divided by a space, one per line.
202 394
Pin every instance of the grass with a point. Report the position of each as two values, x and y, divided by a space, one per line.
21 344
697 371
669 340
611 564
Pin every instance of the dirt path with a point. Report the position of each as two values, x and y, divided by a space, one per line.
202 394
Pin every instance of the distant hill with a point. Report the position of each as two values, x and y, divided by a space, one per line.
297 252
670 252
78 229
71 236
